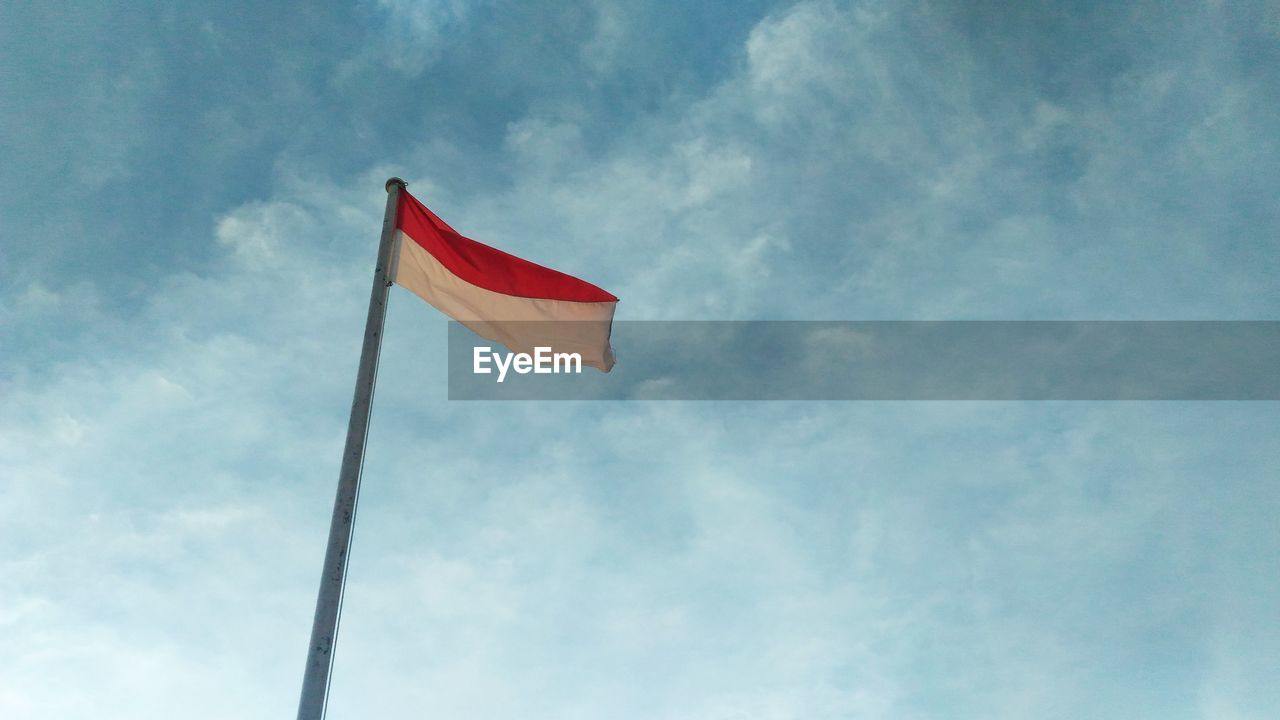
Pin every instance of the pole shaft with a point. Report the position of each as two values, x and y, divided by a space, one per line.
324 630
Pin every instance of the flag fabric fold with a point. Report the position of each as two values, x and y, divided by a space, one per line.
499 296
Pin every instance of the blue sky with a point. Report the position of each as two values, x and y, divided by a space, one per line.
190 206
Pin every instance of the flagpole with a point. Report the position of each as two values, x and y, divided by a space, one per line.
324 629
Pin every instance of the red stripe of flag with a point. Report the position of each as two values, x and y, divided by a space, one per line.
487 267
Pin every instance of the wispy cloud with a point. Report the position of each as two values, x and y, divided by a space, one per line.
169 434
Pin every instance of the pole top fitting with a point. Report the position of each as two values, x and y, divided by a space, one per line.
396 181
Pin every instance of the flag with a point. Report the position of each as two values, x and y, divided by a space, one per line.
499 296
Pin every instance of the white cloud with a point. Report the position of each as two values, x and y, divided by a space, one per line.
166 488
419 29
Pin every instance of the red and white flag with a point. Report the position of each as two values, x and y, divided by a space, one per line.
499 296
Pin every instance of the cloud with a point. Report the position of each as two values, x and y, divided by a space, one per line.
419 30
168 470
881 182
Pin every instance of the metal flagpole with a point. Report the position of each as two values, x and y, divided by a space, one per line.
324 630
